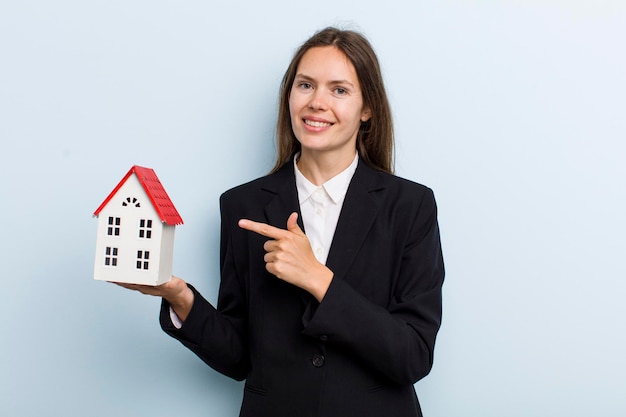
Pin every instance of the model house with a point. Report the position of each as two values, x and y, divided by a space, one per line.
136 223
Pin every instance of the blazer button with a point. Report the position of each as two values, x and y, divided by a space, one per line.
318 360
324 338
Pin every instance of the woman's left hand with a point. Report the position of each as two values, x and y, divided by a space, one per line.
175 291
290 257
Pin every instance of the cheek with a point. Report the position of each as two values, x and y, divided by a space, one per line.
294 117
295 102
295 107
352 115
292 106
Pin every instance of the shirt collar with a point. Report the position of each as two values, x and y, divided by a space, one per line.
336 187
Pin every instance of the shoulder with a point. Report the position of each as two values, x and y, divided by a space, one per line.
245 188
410 197
261 188
395 197
392 186
400 183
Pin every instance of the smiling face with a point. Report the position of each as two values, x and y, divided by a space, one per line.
325 103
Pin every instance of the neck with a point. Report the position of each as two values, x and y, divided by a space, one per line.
319 167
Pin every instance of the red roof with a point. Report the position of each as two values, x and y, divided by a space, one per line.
155 191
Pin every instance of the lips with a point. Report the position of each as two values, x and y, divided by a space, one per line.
316 123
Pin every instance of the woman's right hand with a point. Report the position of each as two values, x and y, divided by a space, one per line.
175 292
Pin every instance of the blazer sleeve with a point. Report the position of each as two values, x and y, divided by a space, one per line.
218 336
397 339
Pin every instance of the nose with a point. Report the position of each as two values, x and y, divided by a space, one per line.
317 102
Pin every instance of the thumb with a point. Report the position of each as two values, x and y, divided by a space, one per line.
292 224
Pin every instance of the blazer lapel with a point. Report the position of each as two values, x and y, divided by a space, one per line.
285 201
280 207
359 210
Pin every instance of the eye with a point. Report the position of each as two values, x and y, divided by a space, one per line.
341 91
304 85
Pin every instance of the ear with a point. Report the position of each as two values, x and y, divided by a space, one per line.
366 114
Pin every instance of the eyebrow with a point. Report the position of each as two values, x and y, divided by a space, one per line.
334 82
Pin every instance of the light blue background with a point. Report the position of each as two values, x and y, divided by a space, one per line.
512 111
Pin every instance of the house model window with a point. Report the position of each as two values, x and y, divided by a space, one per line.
145 228
113 228
135 238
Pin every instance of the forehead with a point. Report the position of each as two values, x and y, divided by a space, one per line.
327 62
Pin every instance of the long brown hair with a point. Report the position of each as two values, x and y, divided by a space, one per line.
375 137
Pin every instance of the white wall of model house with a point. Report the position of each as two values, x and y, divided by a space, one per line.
133 244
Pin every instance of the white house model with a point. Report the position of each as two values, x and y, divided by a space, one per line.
136 223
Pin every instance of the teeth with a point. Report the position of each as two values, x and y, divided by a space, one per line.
313 123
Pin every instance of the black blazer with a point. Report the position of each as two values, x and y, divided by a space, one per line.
359 351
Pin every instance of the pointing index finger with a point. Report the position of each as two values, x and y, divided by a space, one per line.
261 228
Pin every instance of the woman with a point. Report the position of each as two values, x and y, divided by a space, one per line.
340 320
